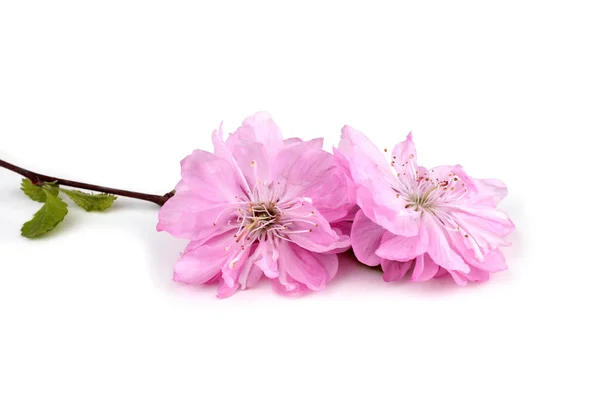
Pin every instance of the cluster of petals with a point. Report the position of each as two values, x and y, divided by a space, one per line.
426 222
261 206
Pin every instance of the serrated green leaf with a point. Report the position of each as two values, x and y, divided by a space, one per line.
89 201
51 214
36 192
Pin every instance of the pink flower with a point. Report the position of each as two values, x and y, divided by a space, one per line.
259 205
430 222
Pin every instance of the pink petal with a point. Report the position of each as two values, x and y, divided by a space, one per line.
439 249
451 176
441 272
253 161
235 264
181 187
489 191
314 232
484 226
223 152
249 273
486 192
344 168
225 290
291 152
356 144
313 144
405 161
259 128
381 210
366 238
314 174
286 286
343 228
240 272
374 178
202 262
475 275
252 277
266 259
394 270
308 171
311 269
188 215
425 268
402 248
458 277
210 177
492 261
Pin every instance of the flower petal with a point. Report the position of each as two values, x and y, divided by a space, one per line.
313 144
266 259
366 238
405 157
302 164
234 266
188 215
425 268
394 270
486 192
253 160
311 269
475 275
374 181
344 168
458 277
223 152
439 249
201 263
259 128
251 277
486 227
305 171
210 177
491 261
489 191
356 144
225 290
395 218
310 230
402 248
287 286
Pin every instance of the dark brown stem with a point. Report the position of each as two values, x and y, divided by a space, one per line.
39 179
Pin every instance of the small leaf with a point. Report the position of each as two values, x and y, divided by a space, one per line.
46 219
89 201
36 192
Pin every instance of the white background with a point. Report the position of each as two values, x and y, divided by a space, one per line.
118 92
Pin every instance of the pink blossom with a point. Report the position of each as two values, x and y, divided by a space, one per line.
430 222
259 205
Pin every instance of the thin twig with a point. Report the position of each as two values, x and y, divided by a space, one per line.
39 179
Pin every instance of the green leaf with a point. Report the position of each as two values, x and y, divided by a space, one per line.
36 192
46 219
89 201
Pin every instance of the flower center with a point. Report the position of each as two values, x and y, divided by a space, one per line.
421 200
259 221
425 193
266 214
262 215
